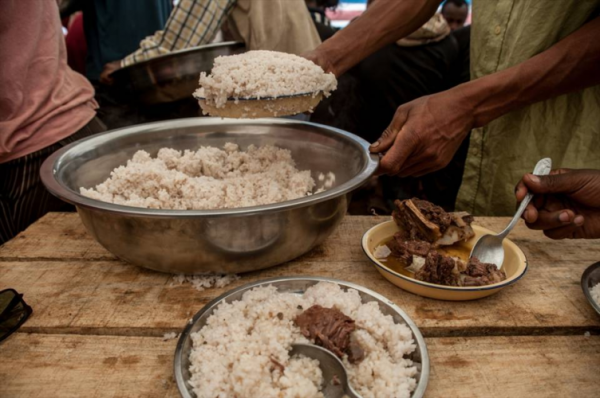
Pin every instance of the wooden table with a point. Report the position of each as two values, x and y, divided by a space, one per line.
98 323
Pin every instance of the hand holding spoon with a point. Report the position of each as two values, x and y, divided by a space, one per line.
488 248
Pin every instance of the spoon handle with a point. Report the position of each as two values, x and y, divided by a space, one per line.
542 168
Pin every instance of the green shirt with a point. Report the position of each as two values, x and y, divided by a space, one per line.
566 128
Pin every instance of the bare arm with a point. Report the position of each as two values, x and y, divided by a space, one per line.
425 133
570 65
383 23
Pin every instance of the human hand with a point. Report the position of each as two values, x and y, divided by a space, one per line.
424 135
566 203
109 68
320 58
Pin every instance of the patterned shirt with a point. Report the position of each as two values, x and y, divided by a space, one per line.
192 23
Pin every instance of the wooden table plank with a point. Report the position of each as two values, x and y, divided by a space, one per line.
36 365
116 298
514 367
61 236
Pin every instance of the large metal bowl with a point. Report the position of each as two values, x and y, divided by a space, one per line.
200 241
172 76
297 285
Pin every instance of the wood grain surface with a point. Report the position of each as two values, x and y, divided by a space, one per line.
98 323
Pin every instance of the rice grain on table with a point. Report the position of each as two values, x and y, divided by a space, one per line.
243 349
260 74
205 281
209 178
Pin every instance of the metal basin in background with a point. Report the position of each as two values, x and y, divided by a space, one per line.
200 241
173 76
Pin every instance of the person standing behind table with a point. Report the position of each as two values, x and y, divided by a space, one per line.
44 105
534 93
456 13
277 25
428 61
114 28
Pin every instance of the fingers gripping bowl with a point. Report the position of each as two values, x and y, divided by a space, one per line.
225 240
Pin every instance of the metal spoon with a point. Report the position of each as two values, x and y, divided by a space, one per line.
334 373
488 248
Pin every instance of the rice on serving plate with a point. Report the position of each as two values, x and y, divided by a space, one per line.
595 291
243 349
209 178
260 74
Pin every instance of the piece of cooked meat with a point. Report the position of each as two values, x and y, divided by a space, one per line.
423 221
331 329
439 269
481 274
404 249
355 351
412 217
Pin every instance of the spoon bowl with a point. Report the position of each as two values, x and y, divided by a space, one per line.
335 378
488 248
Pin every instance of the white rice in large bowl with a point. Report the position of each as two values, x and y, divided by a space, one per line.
242 351
208 178
260 74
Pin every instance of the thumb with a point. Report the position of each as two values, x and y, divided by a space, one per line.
553 183
389 134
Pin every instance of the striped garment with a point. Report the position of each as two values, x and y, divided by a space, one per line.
192 23
23 197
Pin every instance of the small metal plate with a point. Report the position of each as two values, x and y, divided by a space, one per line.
589 279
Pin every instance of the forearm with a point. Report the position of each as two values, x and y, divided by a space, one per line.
383 23
570 65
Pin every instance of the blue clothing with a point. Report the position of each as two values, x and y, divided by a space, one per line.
114 28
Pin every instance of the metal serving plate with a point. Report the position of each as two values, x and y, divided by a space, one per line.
297 285
172 76
589 279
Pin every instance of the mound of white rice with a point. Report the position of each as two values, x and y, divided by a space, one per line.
596 293
243 349
259 74
209 178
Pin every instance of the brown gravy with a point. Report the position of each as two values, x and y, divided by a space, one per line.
460 250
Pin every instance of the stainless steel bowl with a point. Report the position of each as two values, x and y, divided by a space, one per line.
589 279
297 285
199 241
172 76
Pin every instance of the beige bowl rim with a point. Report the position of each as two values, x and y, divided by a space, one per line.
381 267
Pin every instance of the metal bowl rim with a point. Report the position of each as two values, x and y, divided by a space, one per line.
174 54
60 190
584 285
419 340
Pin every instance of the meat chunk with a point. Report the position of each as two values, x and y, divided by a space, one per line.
459 230
331 329
481 274
439 269
404 249
419 221
355 351
424 221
